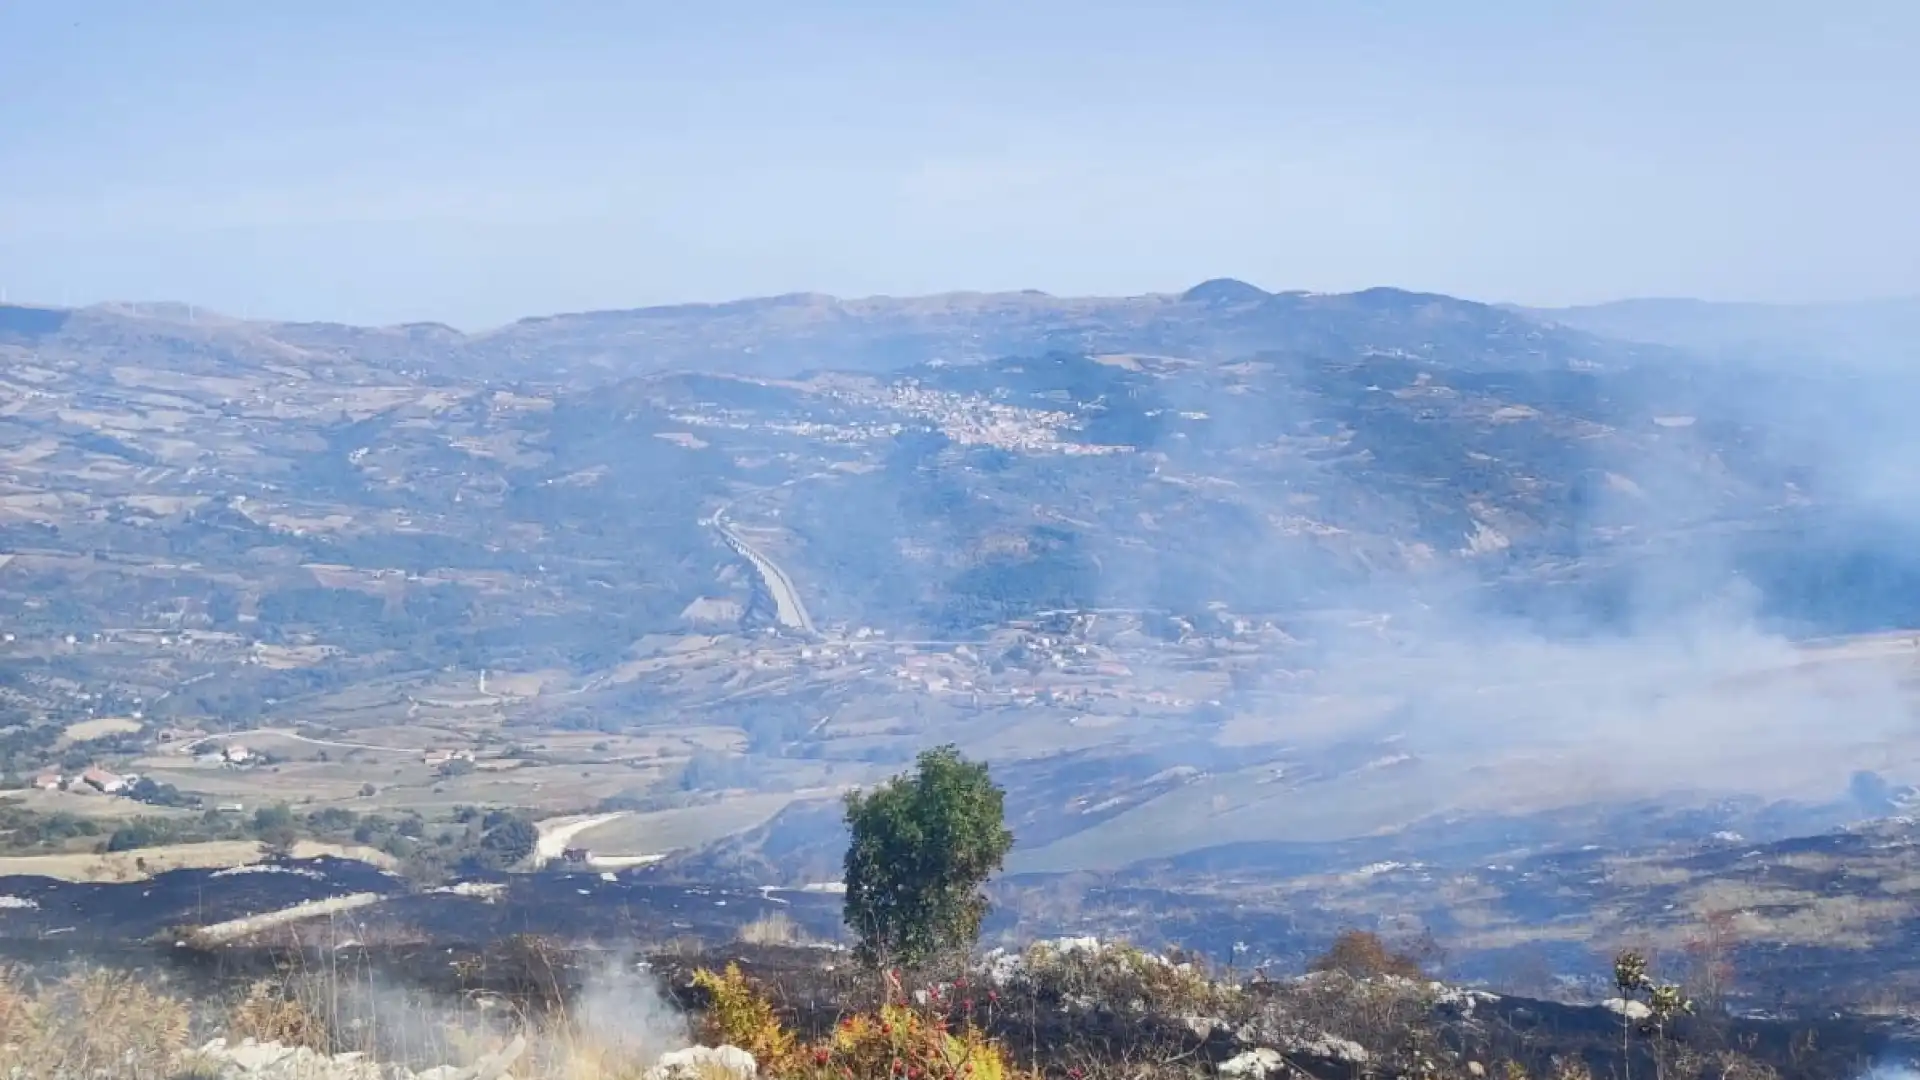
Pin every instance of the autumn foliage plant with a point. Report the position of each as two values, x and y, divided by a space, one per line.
928 1036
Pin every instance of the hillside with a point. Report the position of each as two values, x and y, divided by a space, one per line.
1282 580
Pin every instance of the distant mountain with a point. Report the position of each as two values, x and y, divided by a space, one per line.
1281 448
1224 292
786 335
29 323
1867 334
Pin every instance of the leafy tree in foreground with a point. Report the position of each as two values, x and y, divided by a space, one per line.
922 845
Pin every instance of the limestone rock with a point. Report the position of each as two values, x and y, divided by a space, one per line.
704 1063
1256 1064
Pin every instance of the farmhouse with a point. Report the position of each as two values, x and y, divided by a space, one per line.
103 781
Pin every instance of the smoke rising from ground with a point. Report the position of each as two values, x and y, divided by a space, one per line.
1646 634
621 1011
615 1016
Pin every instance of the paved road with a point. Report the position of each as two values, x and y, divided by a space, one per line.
788 608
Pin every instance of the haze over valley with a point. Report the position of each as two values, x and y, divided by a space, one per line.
1227 574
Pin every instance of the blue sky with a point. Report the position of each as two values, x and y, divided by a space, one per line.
475 162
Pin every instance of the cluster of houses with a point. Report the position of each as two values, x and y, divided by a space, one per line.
107 782
95 779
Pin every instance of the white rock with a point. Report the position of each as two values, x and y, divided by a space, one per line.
1632 1010
701 1062
1254 1064
256 1056
1203 1027
1333 1048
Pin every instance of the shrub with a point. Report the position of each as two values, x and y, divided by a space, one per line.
902 1043
1084 974
272 1013
896 1042
738 1014
1361 954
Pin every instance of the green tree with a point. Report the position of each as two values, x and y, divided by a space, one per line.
139 833
280 841
272 818
922 845
508 843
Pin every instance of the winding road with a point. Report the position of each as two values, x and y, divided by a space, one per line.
787 605
788 609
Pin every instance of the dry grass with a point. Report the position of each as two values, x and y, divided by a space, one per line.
1647 875
88 730
141 863
1514 934
91 1023
773 929
133 865
280 1012
1834 922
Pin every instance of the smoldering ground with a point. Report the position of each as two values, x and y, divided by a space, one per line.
597 1011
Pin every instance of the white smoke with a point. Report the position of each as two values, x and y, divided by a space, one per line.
621 1013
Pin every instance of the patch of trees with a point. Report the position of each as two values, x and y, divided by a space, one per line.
476 841
154 793
507 843
27 747
1062 574
709 770
27 830
146 832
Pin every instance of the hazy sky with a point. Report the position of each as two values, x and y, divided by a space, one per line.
474 162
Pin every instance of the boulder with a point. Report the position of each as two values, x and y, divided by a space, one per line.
705 1063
